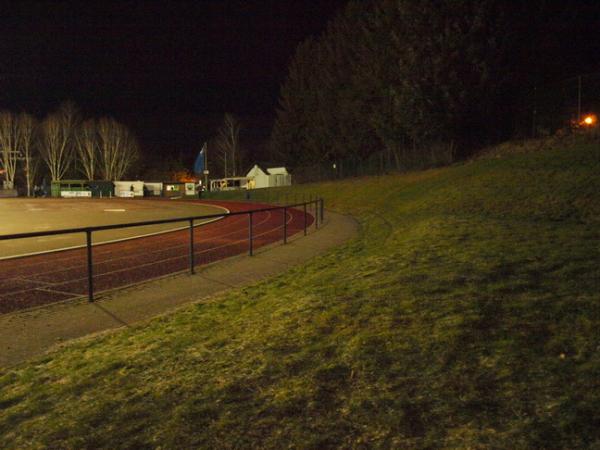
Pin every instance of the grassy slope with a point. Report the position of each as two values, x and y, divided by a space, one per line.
465 315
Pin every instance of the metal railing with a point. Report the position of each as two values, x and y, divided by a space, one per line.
317 204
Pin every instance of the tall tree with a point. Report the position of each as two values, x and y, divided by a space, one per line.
393 77
86 140
8 147
118 148
228 146
320 116
437 65
291 133
26 139
56 139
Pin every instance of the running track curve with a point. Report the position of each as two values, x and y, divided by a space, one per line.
55 277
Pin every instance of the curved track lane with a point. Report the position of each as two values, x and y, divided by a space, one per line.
49 278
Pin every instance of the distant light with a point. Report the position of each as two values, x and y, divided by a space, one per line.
589 120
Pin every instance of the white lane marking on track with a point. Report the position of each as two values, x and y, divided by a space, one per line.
117 240
173 258
233 220
162 261
52 238
114 210
152 263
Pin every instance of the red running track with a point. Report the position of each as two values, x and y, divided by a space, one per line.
54 277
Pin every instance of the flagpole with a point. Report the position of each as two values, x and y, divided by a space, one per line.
206 166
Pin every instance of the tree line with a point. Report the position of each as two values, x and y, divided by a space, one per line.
421 82
64 144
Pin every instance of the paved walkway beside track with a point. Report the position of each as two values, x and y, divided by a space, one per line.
30 333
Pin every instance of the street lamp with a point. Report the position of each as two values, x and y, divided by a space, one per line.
589 120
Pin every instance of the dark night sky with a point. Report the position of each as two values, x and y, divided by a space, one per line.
168 69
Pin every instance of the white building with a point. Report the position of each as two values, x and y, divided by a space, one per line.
229 184
153 189
270 177
129 188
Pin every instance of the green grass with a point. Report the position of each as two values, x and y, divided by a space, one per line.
465 315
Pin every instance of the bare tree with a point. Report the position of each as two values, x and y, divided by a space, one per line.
86 145
118 148
56 138
26 129
8 146
227 143
221 157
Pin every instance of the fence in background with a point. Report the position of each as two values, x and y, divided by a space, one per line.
378 163
273 195
256 232
540 111
545 109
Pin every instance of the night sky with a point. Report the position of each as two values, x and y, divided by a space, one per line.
169 70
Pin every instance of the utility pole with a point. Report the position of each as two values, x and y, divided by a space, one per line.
206 167
579 99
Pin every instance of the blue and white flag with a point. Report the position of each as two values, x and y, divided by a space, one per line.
200 165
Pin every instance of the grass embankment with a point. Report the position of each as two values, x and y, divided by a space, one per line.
465 315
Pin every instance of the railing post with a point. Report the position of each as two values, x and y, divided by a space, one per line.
285 225
88 238
305 219
192 246
250 249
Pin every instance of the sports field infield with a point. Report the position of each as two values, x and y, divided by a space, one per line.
31 215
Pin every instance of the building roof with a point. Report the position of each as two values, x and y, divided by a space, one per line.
277 170
269 169
254 168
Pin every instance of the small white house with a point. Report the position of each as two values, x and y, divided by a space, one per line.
270 177
129 188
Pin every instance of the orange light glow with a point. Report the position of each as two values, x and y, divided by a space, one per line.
184 176
589 120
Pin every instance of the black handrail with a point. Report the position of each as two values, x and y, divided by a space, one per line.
5 237
318 205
